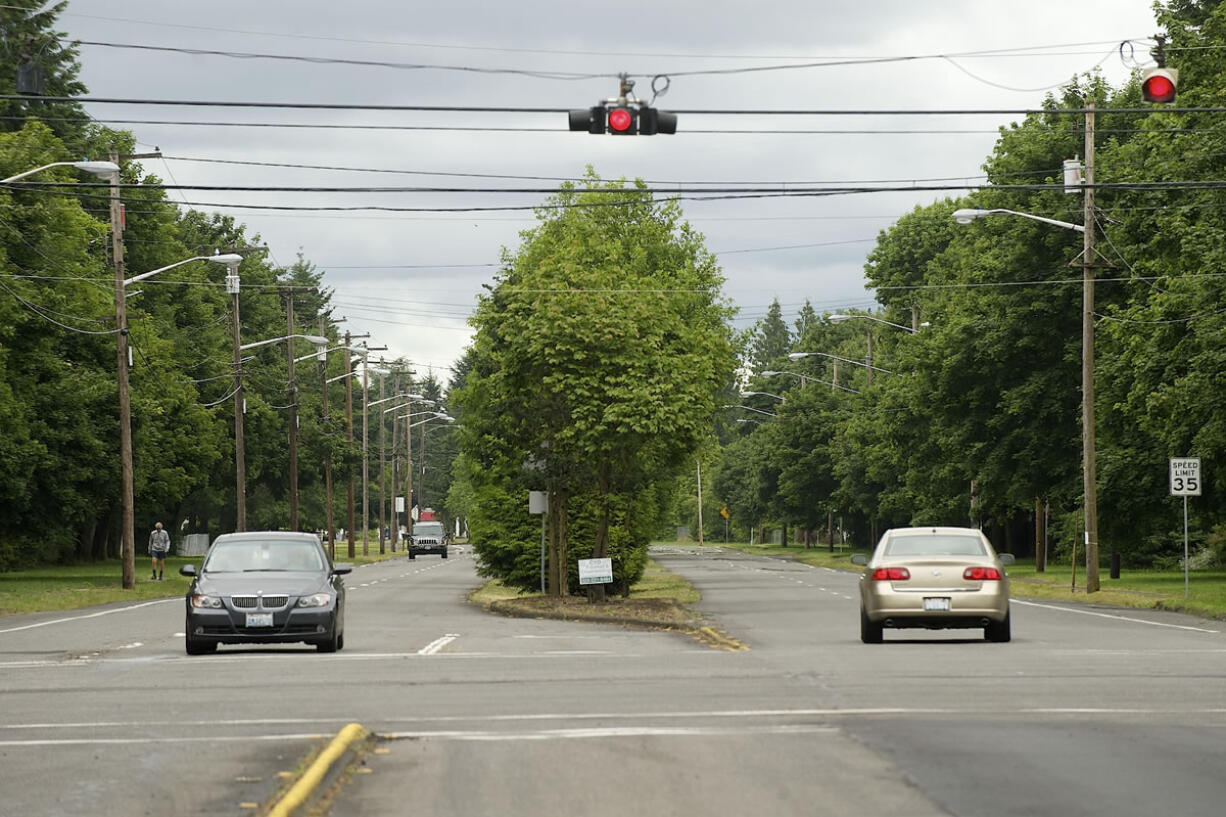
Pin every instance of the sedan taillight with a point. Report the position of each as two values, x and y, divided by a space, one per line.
891 574
981 574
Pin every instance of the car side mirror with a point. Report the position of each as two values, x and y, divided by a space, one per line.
187 570
1005 558
341 569
859 559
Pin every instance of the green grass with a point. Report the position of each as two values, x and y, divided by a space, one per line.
1141 589
87 585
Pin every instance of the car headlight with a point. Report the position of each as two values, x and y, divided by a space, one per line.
315 600
201 600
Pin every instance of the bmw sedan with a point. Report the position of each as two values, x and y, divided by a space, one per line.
268 587
934 578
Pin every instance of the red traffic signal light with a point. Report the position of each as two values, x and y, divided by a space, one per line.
1158 85
624 121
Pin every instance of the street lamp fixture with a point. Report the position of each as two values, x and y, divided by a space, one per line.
751 408
97 168
778 397
842 318
314 340
802 355
805 378
967 215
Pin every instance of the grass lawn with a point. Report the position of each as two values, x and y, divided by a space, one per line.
87 585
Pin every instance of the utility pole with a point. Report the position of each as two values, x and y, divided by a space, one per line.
366 452
1089 474
408 471
240 454
395 470
382 466
699 462
327 422
293 414
349 439
127 525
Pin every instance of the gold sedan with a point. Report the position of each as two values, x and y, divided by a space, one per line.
934 578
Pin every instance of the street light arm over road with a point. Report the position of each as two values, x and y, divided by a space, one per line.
841 318
229 259
316 340
97 168
801 355
966 216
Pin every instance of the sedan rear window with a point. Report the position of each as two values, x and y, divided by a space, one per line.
935 545
238 557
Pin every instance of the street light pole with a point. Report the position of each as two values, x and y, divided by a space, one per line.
1089 475
293 413
127 525
1088 445
240 454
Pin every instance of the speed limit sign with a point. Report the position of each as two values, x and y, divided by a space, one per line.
1185 476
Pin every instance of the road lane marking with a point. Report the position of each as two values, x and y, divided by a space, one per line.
90 615
437 644
613 732
1115 616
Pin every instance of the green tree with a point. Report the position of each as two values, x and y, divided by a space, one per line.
599 352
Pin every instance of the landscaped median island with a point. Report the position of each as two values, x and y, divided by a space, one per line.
659 601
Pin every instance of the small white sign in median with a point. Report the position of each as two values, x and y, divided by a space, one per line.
595 571
1185 476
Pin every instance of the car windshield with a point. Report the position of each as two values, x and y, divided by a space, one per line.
242 557
428 529
935 545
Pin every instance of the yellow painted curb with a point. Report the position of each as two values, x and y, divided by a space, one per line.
314 774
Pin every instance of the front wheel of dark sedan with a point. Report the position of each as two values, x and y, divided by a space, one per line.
335 641
998 631
870 633
196 647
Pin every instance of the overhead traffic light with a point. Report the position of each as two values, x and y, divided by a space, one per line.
623 119
1158 85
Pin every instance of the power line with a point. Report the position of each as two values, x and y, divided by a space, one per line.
337 106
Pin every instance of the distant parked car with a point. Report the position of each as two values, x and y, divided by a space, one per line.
936 578
266 587
428 537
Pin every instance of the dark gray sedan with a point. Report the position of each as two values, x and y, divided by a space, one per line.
265 587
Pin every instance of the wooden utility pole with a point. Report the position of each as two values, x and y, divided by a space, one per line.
327 423
699 464
293 414
1089 474
240 451
382 466
349 438
127 525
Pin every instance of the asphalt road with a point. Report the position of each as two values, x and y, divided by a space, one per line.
1089 711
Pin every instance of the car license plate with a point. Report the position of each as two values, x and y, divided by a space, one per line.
936 604
259 619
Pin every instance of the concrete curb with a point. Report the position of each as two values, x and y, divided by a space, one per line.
704 633
318 770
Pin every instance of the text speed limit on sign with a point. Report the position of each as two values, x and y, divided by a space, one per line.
1185 476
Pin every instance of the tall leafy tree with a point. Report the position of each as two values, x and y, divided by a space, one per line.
600 351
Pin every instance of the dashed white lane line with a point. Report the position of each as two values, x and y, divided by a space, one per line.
437 644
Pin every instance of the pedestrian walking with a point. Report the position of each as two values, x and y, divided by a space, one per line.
159 546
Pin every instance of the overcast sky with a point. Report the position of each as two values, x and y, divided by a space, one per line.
411 278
